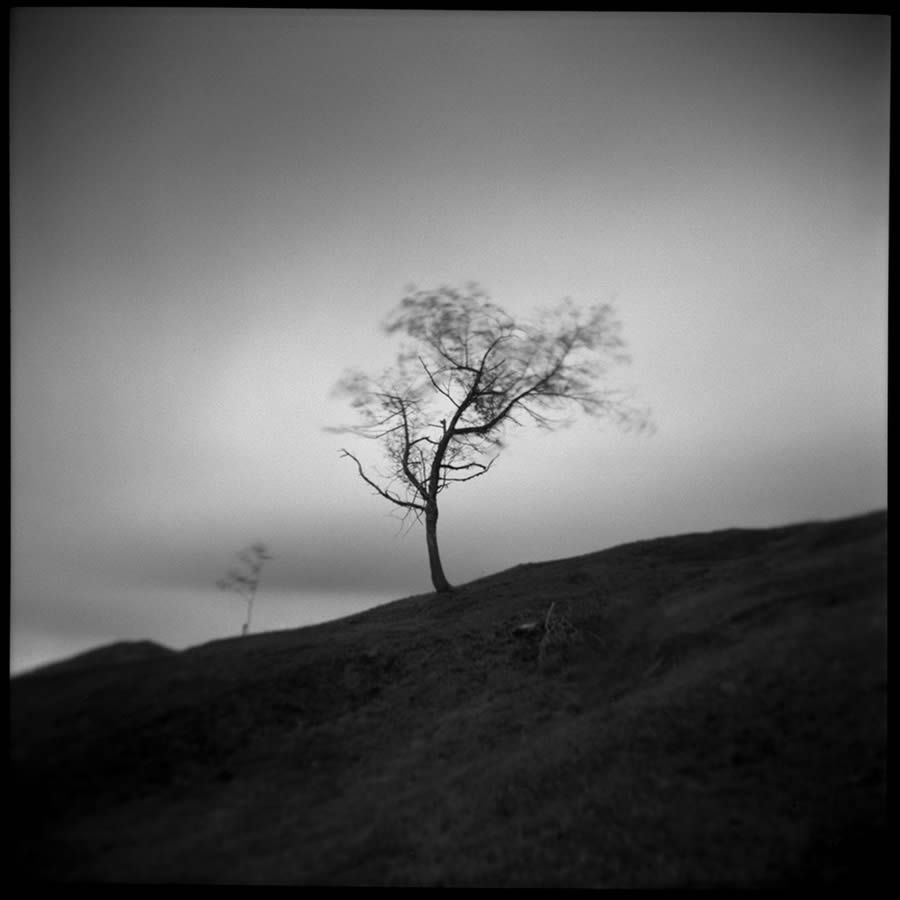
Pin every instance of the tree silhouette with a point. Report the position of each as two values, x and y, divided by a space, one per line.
244 581
467 372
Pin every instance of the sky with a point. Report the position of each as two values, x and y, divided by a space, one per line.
212 211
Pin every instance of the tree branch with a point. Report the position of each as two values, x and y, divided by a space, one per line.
434 383
381 491
407 447
483 469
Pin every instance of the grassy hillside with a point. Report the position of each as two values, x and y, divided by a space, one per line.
701 710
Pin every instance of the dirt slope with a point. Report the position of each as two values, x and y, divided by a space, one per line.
701 710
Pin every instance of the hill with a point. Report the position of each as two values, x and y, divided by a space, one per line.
109 655
700 710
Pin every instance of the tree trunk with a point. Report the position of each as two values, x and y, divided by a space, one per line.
246 629
438 579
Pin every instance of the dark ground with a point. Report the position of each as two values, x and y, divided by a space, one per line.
714 715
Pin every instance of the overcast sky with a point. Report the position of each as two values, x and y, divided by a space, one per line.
212 211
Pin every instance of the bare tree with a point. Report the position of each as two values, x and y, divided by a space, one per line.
245 580
468 372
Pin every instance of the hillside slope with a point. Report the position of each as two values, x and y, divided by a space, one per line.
699 710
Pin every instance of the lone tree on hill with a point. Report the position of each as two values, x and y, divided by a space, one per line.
244 581
469 371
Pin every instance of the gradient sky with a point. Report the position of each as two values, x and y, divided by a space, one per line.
212 211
